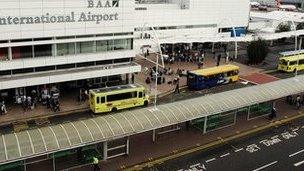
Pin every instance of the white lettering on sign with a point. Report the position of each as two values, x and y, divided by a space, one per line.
69 17
252 148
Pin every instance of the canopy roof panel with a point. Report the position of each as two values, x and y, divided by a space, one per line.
39 141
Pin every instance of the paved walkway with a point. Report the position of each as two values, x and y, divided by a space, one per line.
259 78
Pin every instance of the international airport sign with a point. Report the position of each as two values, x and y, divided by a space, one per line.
68 18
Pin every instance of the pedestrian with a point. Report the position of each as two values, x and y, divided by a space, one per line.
3 107
29 102
227 56
298 102
218 60
95 163
148 80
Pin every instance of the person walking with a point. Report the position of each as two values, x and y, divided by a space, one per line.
95 163
298 102
273 113
218 60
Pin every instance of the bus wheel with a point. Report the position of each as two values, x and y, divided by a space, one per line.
145 103
114 109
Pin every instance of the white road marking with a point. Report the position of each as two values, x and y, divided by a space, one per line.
274 137
238 150
267 165
180 170
263 141
210 160
295 130
234 147
303 127
298 152
299 163
195 165
224 155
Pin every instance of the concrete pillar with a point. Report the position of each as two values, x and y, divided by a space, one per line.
54 163
300 43
54 48
212 47
105 151
235 50
271 42
128 78
10 52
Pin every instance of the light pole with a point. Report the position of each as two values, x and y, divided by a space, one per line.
157 62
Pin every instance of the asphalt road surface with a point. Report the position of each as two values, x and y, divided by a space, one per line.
281 149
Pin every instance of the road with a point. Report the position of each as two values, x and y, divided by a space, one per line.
279 150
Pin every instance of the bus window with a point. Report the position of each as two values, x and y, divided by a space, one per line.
283 62
121 96
134 94
292 62
301 62
97 100
102 99
140 95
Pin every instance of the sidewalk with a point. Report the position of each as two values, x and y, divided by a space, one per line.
68 105
143 149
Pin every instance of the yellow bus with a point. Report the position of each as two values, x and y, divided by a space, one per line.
210 77
288 61
116 98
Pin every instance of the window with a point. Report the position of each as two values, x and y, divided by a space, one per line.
42 50
292 62
23 71
97 100
67 66
46 68
102 99
102 45
140 95
84 47
65 49
122 60
120 44
121 96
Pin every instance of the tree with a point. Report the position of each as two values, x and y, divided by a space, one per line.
300 26
257 51
283 27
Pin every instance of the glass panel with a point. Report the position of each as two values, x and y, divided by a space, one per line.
3 53
22 52
219 121
65 49
84 47
120 44
101 46
43 50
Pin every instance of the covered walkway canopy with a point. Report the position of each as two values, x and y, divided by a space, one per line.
46 140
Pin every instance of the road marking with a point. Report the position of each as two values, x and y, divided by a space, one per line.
195 165
238 150
210 160
296 129
298 152
267 165
299 163
274 137
234 147
263 141
224 155
303 127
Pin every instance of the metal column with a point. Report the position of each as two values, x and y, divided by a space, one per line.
105 151
153 136
128 146
54 163
205 125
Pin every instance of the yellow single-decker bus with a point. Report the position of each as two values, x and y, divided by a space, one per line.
116 98
291 61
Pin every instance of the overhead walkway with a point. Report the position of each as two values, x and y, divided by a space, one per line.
51 139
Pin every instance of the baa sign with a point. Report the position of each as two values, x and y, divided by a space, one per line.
103 3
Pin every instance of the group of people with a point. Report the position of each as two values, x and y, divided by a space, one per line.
2 108
297 101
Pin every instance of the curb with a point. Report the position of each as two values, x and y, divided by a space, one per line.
214 144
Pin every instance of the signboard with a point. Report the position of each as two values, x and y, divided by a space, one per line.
40 18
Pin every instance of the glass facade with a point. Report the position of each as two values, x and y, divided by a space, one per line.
3 53
84 47
65 49
42 50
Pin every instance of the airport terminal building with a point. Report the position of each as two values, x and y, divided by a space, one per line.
79 42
